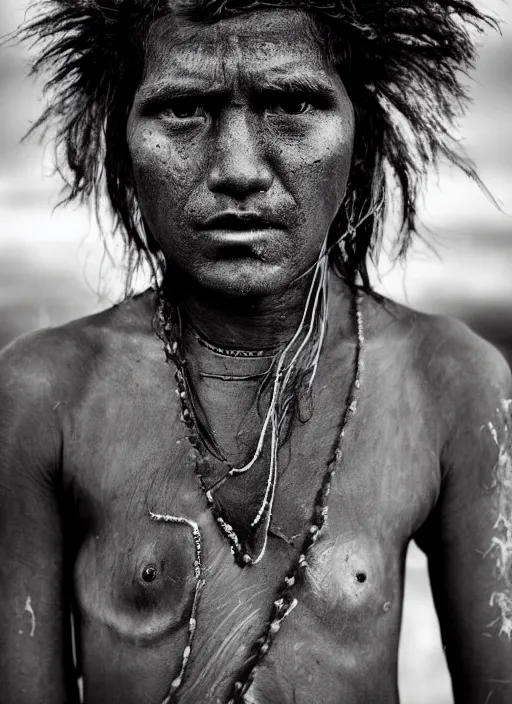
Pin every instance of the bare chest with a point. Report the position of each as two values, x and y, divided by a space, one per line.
134 577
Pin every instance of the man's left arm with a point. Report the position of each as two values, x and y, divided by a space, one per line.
468 539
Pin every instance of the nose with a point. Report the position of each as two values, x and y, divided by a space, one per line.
238 166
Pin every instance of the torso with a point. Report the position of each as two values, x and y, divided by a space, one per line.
126 454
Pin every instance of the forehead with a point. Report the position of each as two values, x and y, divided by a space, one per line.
251 44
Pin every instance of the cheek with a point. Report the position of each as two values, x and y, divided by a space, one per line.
332 161
317 173
163 174
338 149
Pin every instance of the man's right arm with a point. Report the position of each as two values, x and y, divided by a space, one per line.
35 643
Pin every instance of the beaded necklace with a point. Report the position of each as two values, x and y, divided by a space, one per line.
229 352
174 356
285 600
297 360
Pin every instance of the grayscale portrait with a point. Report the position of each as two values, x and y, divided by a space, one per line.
255 393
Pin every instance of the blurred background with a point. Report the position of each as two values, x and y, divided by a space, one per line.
53 266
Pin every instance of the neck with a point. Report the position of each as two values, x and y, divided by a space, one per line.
245 323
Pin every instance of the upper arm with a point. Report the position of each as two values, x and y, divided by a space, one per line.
35 647
469 536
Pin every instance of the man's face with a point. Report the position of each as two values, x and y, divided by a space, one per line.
241 141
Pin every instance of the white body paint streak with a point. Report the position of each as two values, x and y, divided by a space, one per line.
501 544
30 610
493 432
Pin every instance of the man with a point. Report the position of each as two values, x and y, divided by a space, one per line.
219 478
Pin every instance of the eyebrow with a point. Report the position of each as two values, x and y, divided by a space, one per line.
156 93
295 84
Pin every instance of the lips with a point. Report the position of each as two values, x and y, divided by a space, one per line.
238 222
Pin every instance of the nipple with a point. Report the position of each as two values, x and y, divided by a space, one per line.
149 573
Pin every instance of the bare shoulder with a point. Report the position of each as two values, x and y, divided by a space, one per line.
454 361
54 367
465 380
460 358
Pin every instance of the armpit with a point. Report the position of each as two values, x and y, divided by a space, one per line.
501 544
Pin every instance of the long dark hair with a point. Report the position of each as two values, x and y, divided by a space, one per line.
401 61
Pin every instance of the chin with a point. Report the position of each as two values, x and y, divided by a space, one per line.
244 278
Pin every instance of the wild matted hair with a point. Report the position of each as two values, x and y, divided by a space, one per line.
401 61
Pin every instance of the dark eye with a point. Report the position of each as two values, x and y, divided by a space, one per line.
291 105
183 109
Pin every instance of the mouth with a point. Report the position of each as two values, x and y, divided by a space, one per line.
240 235
232 223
